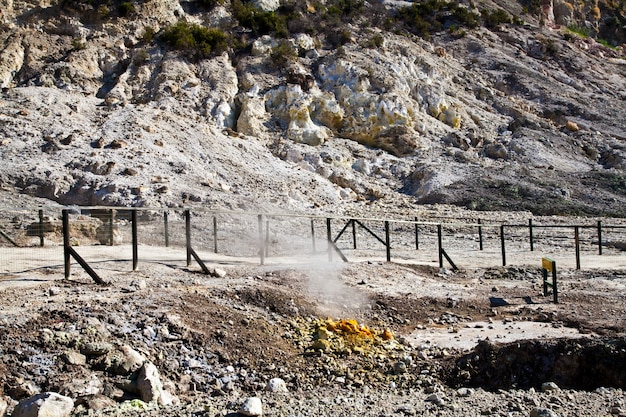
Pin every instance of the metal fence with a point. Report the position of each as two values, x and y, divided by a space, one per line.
50 239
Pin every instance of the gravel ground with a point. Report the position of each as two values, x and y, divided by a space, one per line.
346 339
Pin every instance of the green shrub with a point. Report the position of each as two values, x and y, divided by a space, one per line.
579 30
140 58
495 18
103 11
148 34
78 44
375 41
197 40
435 15
283 54
125 9
259 21
465 17
210 3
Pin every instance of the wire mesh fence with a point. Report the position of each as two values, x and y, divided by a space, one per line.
32 239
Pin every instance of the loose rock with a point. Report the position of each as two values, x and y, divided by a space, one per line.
47 404
252 406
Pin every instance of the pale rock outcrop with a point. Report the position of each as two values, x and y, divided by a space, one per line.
6 15
208 88
304 42
160 13
263 45
47 404
326 110
219 84
3 407
253 116
219 17
301 128
267 5
11 60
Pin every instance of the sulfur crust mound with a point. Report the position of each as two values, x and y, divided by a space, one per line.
348 336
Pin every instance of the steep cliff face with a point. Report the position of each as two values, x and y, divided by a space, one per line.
105 103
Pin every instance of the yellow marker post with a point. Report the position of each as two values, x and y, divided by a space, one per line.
549 265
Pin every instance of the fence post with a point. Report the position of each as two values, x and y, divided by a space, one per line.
41 231
214 234
166 229
439 246
188 235
480 234
353 234
329 236
261 245
66 243
577 243
548 265
502 244
530 232
387 240
133 216
417 238
599 237
313 235
267 239
111 219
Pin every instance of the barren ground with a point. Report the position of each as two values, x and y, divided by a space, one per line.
218 340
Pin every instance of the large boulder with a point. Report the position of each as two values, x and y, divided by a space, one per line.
150 387
47 404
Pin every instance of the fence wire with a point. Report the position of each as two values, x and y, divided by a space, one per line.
32 239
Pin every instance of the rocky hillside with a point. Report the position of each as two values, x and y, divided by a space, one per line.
336 105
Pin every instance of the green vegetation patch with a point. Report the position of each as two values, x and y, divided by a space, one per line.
198 41
261 22
431 16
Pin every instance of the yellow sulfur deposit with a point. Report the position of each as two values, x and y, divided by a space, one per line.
347 335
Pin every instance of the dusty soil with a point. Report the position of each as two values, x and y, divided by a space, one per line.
218 340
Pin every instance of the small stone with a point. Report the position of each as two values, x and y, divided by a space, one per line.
73 358
118 144
572 126
616 411
542 412
48 404
99 402
276 385
54 291
549 386
67 140
219 273
252 406
130 172
96 348
139 284
436 399
399 368
465 392
407 410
